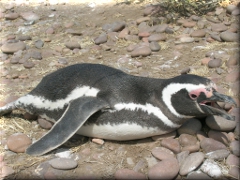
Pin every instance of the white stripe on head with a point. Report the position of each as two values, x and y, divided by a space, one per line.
149 108
42 103
173 88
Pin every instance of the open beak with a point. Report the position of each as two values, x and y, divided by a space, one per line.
207 105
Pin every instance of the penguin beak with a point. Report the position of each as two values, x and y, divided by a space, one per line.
210 105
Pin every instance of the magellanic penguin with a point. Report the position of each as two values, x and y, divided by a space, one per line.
99 101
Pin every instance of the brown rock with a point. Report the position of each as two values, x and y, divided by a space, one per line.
128 174
157 37
189 24
219 123
214 63
219 27
123 33
209 145
171 144
162 153
198 33
205 60
18 142
234 147
141 51
186 140
219 136
44 123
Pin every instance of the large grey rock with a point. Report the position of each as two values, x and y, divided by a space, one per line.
220 123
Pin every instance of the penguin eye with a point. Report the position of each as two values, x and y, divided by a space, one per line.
193 96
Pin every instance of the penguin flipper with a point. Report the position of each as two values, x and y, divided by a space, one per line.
76 114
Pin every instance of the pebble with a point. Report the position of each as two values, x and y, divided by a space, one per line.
189 24
186 70
72 45
144 34
162 153
181 157
234 147
157 37
219 123
44 123
24 38
219 27
191 163
98 141
211 168
171 144
114 27
219 136
229 36
161 28
205 60
236 12
10 48
128 174
232 76
154 46
35 54
230 8
216 37
11 16
29 116
233 60
141 51
142 19
186 39
39 44
198 33
49 30
218 154
123 33
30 16
164 136
18 142
209 145
197 175
28 64
101 39
6 171
166 169
190 127
233 162
186 140
63 163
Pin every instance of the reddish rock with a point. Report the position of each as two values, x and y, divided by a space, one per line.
141 51
162 153
18 142
44 123
128 174
209 145
189 24
171 144
205 60
123 33
98 141
219 136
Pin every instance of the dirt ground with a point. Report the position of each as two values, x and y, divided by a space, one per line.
94 161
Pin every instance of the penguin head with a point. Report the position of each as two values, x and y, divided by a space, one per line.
190 95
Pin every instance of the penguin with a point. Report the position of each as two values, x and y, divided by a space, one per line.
99 101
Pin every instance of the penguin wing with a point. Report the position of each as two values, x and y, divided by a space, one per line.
76 114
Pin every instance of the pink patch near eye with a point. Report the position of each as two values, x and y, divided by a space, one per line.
195 93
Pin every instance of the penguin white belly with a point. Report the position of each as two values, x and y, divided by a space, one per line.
119 132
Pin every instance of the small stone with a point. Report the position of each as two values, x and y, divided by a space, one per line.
128 174
29 16
219 123
98 141
101 39
171 144
154 46
236 12
216 37
18 142
234 147
186 70
233 162
189 24
39 44
219 136
230 8
198 175
35 54
24 38
157 37
190 127
181 157
198 33
11 16
63 163
10 48
205 60
144 34
229 36
114 27
219 27
211 168
142 19
233 60
165 136
162 153
218 154
28 64
186 39
123 33
161 28
49 30
44 123
191 163
209 145
29 116
6 171
72 45
169 30
141 51
166 169
233 76
186 140
214 63
62 61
